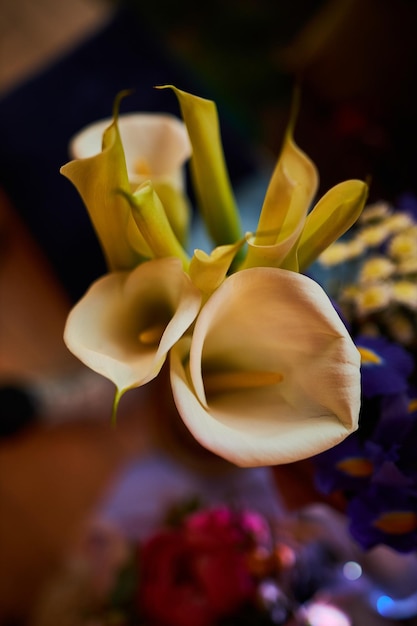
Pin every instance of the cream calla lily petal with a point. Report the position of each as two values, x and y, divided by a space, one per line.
127 322
271 375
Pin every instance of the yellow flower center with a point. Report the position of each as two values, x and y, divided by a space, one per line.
220 382
356 467
151 336
397 522
412 405
368 356
141 167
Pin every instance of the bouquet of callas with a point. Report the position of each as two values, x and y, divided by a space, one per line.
262 369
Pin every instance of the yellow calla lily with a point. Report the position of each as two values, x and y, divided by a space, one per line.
208 168
207 271
118 155
127 322
271 374
156 148
289 195
98 179
152 222
331 217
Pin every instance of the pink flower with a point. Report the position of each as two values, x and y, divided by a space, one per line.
196 574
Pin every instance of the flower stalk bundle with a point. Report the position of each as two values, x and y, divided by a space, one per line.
262 369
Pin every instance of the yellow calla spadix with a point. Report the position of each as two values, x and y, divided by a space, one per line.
270 374
127 322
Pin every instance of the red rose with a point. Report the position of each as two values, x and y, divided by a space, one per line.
194 575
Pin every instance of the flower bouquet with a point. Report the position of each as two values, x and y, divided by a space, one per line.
262 369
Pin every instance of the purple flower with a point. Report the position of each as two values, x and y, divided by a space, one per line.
389 427
385 366
384 514
407 202
345 467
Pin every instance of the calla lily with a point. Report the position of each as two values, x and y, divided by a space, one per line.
155 146
152 222
331 217
271 374
127 322
208 168
288 198
98 179
144 147
207 271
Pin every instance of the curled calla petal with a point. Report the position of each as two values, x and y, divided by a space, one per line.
271 374
207 271
127 321
97 179
151 220
289 195
331 217
208 168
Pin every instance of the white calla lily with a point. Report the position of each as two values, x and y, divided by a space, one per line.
127 322
156 147
271 374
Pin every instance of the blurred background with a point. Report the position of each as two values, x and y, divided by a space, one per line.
61 64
